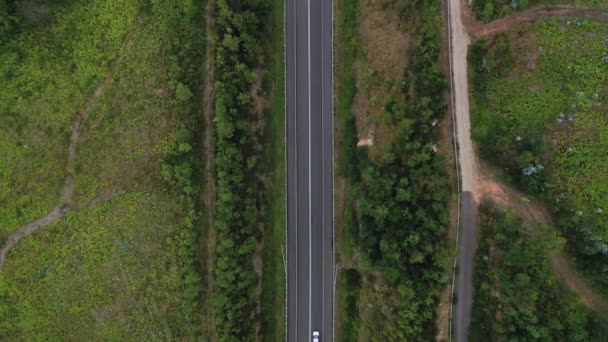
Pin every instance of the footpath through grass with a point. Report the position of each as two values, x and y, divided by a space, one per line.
123 269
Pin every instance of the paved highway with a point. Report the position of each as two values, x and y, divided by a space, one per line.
309 111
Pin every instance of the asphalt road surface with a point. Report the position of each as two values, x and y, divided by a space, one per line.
309 110
467 163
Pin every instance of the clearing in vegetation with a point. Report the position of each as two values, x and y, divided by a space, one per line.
113 112
539 114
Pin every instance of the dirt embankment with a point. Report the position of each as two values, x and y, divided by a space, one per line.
66 201
477 30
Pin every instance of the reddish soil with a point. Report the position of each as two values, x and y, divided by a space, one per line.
478 30
532 212
485 185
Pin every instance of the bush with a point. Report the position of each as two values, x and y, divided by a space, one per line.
403 195
238 26
516 295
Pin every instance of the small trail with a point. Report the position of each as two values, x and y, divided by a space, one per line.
533 212
57 213
478 30
68 186
66 200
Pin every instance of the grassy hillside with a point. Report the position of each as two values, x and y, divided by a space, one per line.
121 264
540 114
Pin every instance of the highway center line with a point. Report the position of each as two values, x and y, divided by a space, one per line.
309 189
322 175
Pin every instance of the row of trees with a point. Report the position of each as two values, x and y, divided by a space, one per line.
516 295
237 217
402 196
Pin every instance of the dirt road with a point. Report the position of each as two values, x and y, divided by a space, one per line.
467 162
463 28
478 30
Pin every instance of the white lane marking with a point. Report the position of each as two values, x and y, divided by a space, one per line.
295 137
309 189
333 200
322 169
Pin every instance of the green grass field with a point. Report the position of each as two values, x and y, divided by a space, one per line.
540 114
274 280
123 269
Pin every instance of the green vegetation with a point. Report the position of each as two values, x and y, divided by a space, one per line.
350 285
274 279
122 267
47 73
349 280
488 10
517 298
239 29
397 209
539 113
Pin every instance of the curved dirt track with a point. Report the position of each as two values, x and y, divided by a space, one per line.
477 30
463 29
533 212
66 202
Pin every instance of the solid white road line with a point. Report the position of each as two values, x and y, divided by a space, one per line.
322 175
309 189
295 137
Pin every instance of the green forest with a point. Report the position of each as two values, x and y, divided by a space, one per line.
516 295
237 154
122 263
539 114
397 214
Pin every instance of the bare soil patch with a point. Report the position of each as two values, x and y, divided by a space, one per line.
384 57
477 30
260 100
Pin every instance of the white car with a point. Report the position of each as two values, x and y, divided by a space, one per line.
315 336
